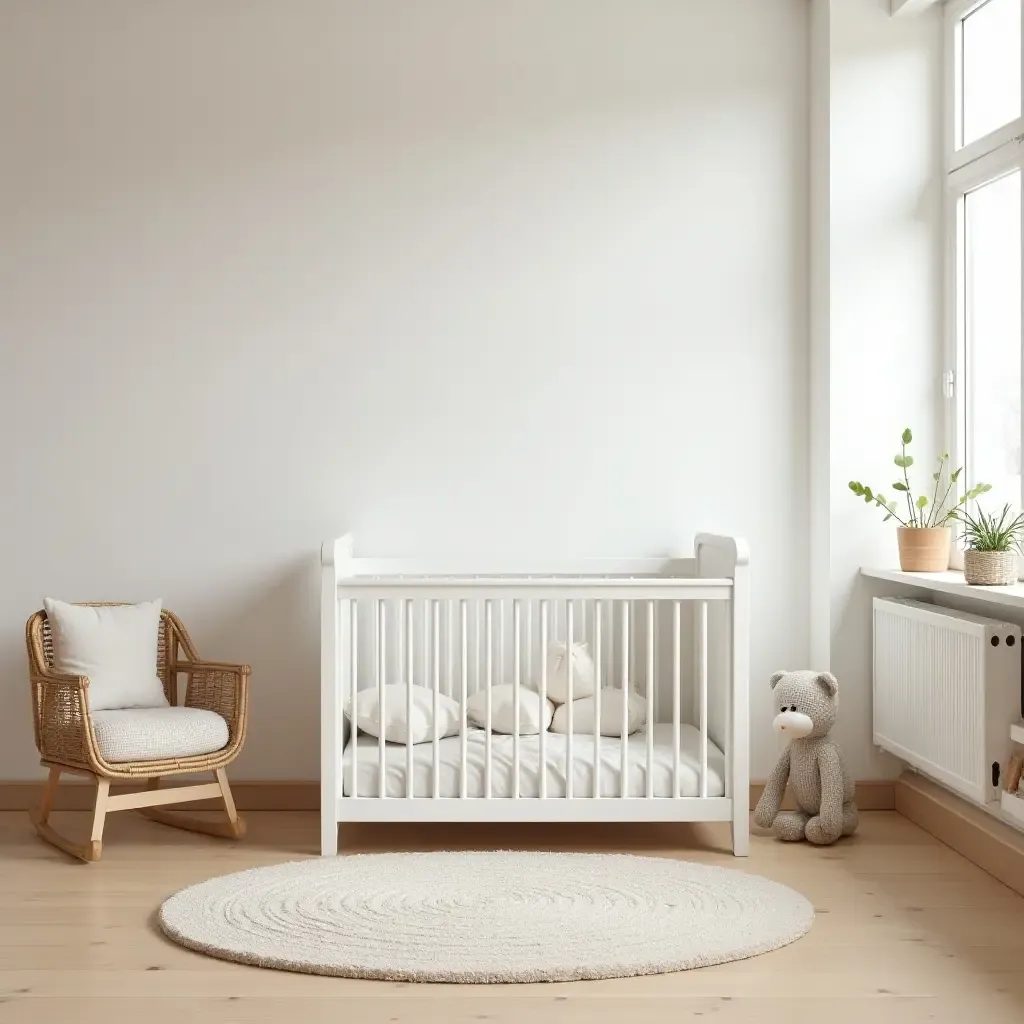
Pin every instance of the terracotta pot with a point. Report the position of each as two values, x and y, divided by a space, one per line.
924 550
990 568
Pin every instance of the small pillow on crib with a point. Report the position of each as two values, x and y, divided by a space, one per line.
533 717
558 673
611 714
397 727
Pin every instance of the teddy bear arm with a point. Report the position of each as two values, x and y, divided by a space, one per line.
775 789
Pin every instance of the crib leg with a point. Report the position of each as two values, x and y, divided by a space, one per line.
328 835
741 828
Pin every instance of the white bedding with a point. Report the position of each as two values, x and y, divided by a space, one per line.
529 765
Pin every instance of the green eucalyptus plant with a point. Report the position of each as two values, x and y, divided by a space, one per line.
921 513
985 532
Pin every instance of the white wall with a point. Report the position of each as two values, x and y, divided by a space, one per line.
457 276
885 302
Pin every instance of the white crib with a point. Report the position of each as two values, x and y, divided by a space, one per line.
459 629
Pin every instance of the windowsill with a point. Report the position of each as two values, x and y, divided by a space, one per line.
951 583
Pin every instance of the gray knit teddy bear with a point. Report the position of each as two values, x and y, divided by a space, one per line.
806 703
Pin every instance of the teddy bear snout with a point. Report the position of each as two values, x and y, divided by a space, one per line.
792 725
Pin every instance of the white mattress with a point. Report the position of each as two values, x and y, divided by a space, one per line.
529 765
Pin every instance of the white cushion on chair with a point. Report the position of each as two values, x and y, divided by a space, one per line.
115 646
157 734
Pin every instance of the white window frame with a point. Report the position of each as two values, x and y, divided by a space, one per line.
967 168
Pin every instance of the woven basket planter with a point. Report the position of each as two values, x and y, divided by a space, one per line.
924 550
990 568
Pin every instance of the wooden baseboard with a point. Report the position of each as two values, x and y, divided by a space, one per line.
872 795
76 795
973 833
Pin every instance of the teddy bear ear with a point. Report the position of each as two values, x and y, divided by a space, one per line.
776 676
829 683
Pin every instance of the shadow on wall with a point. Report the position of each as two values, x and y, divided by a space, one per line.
852 664
274 626
17 700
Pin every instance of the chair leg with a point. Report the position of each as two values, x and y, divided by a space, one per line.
99 813
229 804
49 792
40 817
233 828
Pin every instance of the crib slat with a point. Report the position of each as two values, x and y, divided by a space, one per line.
675 696
463 696
425 649
516 683
598 615
626 652
382 655
569 762
632 642
407 645
529 642
543 697
702 653
353 676
449 675
657 659
650 699
501 640
489 638
435 615
477 651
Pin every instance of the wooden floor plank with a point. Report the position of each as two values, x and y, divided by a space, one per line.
907 931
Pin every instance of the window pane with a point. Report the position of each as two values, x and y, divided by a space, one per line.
992 295
991 68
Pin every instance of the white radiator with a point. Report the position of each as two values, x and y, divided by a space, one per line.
947 685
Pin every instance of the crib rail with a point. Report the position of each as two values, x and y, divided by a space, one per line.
552 588
463 634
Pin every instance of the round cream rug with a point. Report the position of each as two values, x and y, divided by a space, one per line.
486 917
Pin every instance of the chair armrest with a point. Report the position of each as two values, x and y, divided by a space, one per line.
219 666
60 681
61 713
220 687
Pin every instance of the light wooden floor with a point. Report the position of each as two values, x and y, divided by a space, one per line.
907 931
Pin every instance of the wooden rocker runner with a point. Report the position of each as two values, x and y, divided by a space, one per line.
72 740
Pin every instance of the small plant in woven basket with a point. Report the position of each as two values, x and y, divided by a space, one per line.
923 534
993 542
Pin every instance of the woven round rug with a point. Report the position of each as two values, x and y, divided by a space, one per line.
486 917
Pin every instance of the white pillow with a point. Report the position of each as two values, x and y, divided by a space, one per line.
611 713
114 646
558 673
396 729
503 718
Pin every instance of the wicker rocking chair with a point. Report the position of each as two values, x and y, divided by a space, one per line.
67 740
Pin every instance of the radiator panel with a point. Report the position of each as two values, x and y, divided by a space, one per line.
944 692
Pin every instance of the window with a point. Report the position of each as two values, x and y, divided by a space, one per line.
985 178
989 68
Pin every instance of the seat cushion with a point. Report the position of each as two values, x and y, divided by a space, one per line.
157 734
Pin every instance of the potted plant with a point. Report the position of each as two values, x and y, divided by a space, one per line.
993 543
923 535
